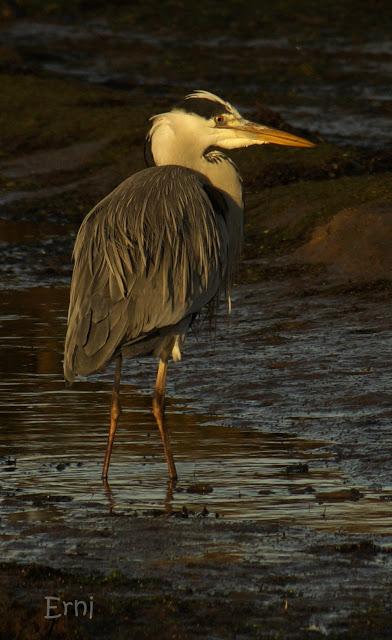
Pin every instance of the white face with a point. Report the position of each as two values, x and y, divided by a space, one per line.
181 135
189 135
185 135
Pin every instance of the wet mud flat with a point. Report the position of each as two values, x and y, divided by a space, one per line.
280 524
183 578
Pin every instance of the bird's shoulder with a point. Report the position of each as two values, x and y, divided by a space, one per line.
166 218
157 189
158 209
148 255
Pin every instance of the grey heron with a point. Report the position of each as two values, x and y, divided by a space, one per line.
160 247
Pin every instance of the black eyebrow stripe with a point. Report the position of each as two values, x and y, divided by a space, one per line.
202 107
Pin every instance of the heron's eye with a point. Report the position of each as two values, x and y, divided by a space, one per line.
220 119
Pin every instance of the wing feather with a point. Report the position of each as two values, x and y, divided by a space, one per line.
149 254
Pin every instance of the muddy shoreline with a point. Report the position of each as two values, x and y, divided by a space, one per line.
281 523
271 522
189 571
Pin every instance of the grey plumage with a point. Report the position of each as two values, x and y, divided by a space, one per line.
160 247
147 257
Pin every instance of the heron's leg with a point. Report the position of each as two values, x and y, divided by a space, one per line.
158 409
115 412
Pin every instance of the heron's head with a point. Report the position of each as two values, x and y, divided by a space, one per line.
203 121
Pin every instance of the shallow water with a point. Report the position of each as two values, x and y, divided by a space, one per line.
273 390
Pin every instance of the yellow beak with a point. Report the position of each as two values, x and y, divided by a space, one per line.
259 134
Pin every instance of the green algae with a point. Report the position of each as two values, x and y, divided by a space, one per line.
48 113
279 219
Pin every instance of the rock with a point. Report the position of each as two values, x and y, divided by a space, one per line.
200 488
356 243
298 468
55 160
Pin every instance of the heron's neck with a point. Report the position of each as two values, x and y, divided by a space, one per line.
168 148
223 174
